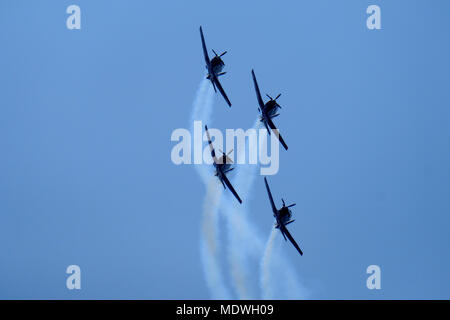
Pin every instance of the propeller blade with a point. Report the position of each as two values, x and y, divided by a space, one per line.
283 202
223 53
221 151
278 96
291 205
269 97
214 52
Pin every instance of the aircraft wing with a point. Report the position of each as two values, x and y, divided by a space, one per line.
213 152
285 231
274 209
205 52
215 81
267 127
273 127
228 184
283 234
258 93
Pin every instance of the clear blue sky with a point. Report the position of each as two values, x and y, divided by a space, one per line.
86 118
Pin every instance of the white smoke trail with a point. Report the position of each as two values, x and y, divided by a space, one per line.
210 242
265 267
244 243
246 246
279 279
202 109
244 251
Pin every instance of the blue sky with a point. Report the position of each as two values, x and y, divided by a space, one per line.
86 117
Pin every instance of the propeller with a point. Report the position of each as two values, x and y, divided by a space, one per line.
272 99
284 204
227 153
227 156
223 53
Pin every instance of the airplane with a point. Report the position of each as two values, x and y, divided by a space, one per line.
214 66
268 111
283 218
222 166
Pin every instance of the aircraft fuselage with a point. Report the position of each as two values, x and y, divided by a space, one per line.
221 168
283 216
217 66
270 108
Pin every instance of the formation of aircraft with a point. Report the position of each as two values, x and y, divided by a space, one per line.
283 218
214 67
222 165
268 111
